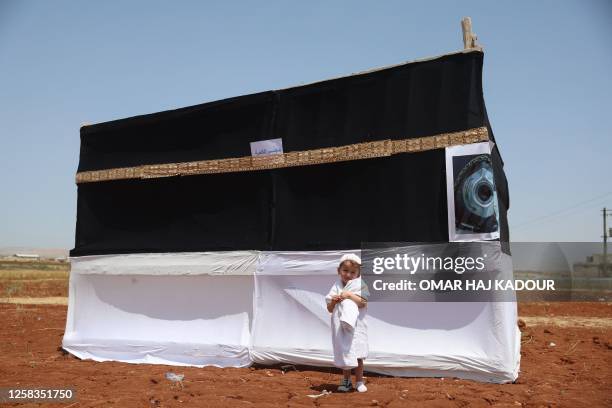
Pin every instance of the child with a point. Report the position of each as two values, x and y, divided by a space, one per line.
347 302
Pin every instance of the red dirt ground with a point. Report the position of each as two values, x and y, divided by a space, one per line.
576 372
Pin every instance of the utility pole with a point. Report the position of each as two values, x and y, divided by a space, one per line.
605 244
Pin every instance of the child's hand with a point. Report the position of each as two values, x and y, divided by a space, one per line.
346 295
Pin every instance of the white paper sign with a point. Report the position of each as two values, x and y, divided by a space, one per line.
267 147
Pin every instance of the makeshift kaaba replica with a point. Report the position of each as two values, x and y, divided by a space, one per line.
209 235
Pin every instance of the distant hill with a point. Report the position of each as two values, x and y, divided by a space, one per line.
42 252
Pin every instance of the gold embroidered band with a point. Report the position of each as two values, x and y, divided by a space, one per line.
357 151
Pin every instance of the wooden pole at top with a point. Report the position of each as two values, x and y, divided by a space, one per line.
469 38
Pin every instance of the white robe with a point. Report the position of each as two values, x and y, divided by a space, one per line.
348 325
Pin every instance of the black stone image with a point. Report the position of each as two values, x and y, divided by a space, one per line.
476 209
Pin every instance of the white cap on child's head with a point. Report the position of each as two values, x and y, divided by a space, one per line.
351 257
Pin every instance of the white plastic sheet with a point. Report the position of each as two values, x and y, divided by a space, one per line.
178 309
268 307
468 340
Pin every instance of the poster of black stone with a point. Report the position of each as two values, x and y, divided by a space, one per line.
473 211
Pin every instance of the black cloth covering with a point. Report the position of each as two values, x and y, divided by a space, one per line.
317 207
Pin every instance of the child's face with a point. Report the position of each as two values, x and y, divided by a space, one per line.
348 271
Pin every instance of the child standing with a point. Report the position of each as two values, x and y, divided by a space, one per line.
347 302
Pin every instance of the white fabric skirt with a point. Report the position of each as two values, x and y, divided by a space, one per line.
349 345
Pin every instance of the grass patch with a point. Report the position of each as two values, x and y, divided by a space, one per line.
33 274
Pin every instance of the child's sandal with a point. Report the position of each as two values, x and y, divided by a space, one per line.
360 386
345 385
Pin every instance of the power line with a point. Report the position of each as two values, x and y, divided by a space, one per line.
560 212
572 212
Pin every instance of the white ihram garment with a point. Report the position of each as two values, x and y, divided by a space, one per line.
348 324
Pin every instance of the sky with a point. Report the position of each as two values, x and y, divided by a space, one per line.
547 87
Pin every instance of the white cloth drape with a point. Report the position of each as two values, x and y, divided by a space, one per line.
234 308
